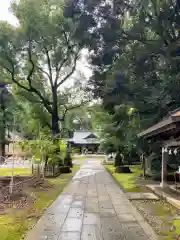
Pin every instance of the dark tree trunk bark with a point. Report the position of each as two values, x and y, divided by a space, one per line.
55 124
55 115
143 167
3 127
3 139
2 149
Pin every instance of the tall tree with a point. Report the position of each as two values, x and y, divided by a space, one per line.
136 64
8 109
139 58
4 102
41 51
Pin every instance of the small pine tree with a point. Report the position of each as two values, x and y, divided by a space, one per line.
118 160
68 160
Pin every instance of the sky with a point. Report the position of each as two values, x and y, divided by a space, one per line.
4 12
6 15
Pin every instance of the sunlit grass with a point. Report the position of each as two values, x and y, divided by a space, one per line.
14 225
17 172
176 223
126 180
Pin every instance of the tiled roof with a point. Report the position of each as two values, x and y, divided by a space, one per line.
162 126
81 137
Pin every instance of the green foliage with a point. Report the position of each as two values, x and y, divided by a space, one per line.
127 180
45 148
118 159
75 151
135 67
77 119
63 149
119 130
68 159
39 56
155 161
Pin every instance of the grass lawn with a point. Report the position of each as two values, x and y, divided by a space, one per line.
15 223
168 215
17 171
126 180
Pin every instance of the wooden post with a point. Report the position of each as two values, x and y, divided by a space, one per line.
164 168
143 165
32 169
13 155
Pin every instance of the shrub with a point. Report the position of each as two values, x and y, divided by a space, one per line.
68 160
118 160
75 151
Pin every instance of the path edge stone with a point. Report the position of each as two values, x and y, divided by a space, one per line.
149 231
144 224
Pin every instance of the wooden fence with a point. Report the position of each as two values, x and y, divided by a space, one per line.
17 188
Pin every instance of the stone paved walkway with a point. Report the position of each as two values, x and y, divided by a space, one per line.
92 207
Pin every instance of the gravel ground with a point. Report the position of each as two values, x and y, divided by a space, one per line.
160 215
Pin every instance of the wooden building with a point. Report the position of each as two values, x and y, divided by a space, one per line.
84 139
167 133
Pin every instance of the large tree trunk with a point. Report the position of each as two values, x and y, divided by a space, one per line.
55 115
3 139
3 126
56 130
2 150
55 124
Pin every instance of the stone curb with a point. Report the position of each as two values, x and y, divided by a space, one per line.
175 203
140 219
143 223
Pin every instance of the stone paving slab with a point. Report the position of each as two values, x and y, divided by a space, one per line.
92 207
76 213
142 196
91 232
72 225
107 212
92 219
69 236
112 229
134 231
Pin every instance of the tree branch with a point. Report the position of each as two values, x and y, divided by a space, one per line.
71 72
71 108
49 66
43 71
68 51
58 69
32 65
31 88
12 73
